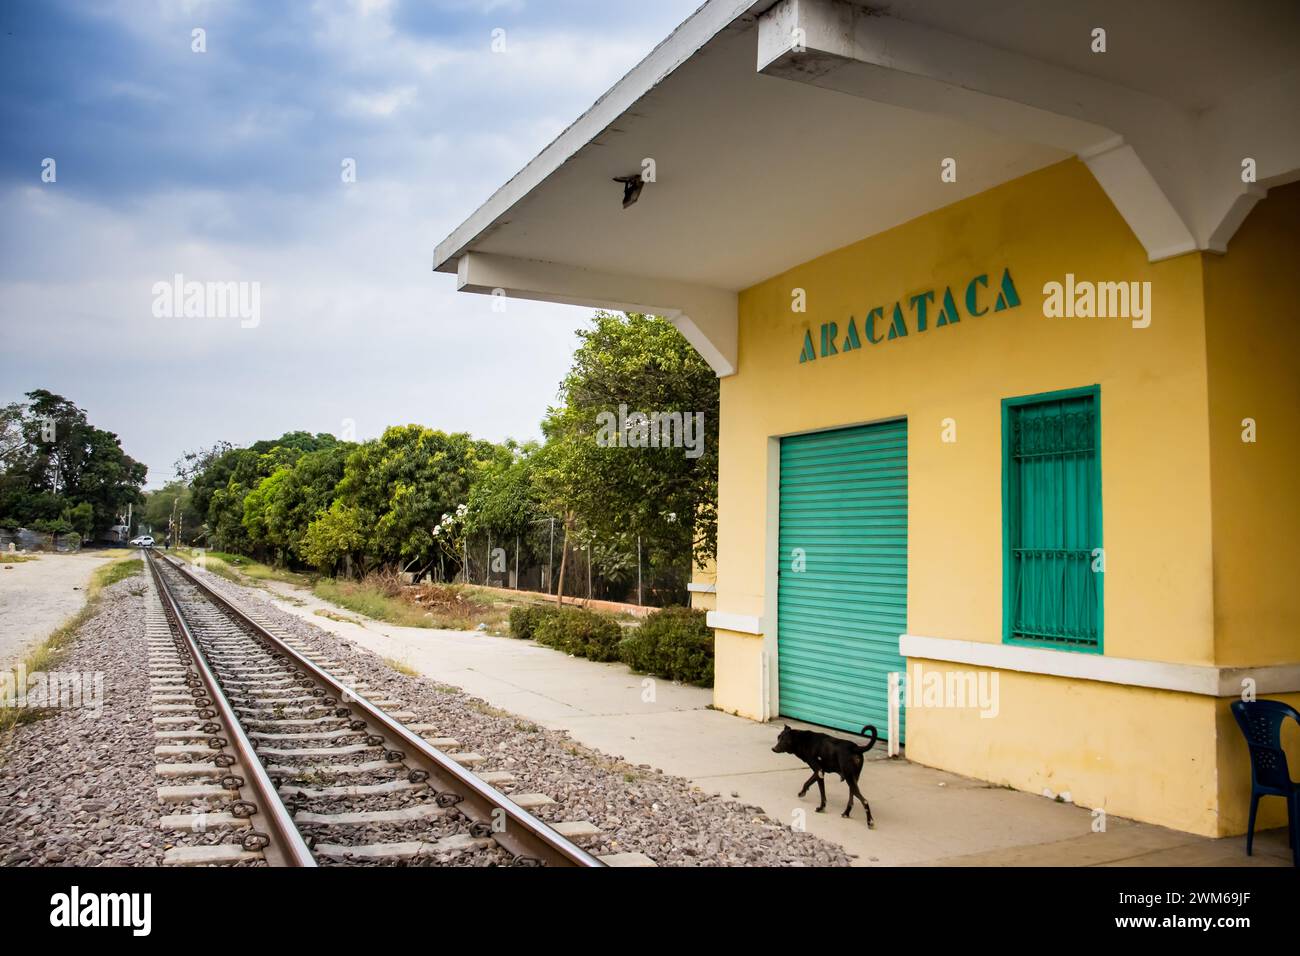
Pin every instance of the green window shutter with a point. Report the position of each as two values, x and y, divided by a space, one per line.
1051 469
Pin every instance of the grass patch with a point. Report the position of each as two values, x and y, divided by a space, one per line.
487 709
110 574
212 561
19 558
383 597
401 667
44 656
321 612
242 570
458 607
371 602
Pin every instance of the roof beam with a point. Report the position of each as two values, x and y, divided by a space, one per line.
706 317
845 47
1147 154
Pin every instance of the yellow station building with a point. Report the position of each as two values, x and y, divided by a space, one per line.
1006 312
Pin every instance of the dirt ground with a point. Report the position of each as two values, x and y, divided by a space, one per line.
37 596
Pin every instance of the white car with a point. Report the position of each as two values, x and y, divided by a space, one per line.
144 541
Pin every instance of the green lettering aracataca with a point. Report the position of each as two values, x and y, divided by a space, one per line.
920 313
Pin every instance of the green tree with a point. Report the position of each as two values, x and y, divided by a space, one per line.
54 461
506 498
80 518
337 534
230 475
256 503
404 482
625 365
278 511
172 502
307 493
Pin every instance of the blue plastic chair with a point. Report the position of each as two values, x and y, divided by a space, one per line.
1261 723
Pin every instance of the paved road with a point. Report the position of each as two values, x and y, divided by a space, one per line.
37 596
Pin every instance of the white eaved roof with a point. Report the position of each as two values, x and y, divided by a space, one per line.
783 129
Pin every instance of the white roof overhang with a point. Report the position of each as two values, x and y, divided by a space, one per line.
782 130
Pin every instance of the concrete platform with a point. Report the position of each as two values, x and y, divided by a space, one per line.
923 816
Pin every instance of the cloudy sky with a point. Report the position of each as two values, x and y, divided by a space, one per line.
226 166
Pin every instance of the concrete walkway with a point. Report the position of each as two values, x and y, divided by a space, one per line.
38 596
923 816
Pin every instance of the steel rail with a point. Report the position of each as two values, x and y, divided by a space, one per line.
514 828
287 847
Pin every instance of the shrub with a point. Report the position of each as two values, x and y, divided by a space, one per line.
637 650
521 622
52 526
686 653
385 581
583 633
525 620
600 635
548 629
675 643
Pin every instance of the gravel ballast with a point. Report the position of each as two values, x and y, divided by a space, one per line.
81 790
78 789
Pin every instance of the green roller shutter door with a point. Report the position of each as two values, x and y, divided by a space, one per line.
842 584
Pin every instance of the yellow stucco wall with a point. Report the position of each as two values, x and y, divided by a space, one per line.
704 574
737 674
1104 743
1252 300
1130 751
1155 450
1162 757
704 601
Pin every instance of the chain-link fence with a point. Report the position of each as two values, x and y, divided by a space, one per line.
593 568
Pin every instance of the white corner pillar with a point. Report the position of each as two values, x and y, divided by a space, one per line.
706 316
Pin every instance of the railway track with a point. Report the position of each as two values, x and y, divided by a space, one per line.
266 757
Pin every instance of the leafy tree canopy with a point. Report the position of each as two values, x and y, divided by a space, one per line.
416 494
625 365
57 467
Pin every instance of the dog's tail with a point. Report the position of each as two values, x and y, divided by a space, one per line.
874 738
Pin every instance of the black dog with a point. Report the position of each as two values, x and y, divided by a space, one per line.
827 754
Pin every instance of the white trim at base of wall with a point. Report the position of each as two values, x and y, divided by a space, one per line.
743 623
1185 678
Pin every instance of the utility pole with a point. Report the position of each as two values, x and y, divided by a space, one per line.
516 562
639 600
550 567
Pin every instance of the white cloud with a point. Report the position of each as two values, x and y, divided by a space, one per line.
354 322
385 103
